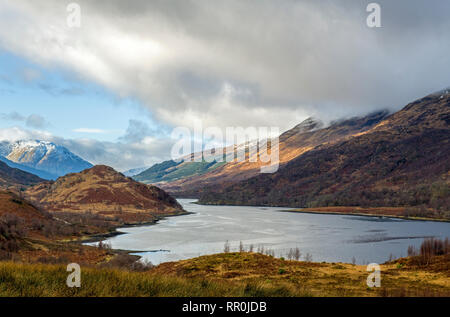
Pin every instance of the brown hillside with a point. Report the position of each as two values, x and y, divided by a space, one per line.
102 190
15 178
402 161
292 144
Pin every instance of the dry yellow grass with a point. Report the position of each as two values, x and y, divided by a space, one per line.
313 279
230 274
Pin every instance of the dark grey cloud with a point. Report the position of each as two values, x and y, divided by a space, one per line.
242 62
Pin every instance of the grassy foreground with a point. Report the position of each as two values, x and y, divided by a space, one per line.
231 274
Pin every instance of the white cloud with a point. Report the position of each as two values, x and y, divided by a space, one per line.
120 155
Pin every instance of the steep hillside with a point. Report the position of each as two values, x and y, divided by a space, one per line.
401 161
54 160
12 204
16 178
292 144
102 190
41 174
169 171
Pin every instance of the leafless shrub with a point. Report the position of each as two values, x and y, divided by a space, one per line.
297 254
241 247
260 249
429 248
226 247
142 266
290 254
412 251
250 248
294 254
129 263
104 245
432 246
308 257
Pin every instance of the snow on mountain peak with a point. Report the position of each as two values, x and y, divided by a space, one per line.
43 155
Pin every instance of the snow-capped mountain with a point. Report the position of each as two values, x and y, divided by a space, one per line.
54 160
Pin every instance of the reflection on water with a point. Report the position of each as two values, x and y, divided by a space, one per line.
331 238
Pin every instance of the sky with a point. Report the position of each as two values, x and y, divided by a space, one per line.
113 89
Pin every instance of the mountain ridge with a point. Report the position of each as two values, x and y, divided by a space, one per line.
14 178
400 161
44 157
293 143
102 190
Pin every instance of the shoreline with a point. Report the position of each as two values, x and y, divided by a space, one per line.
135 253
363 214
103 236
329 211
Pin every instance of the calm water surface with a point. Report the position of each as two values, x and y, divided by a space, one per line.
331 238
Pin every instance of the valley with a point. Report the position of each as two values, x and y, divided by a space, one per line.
356 191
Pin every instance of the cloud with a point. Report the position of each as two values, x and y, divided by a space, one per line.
36 121
242 62
12 116
17 133
120 155
30 75
33 121
137 131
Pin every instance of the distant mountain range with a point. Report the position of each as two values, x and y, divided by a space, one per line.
382 159
44 159
190 179
396 160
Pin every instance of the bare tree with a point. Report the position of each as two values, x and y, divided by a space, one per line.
412 251
270 252
297 254
290 254
241 247
226 247
250 249
308 257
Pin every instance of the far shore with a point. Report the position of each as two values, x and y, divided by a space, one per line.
389 212
378 212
